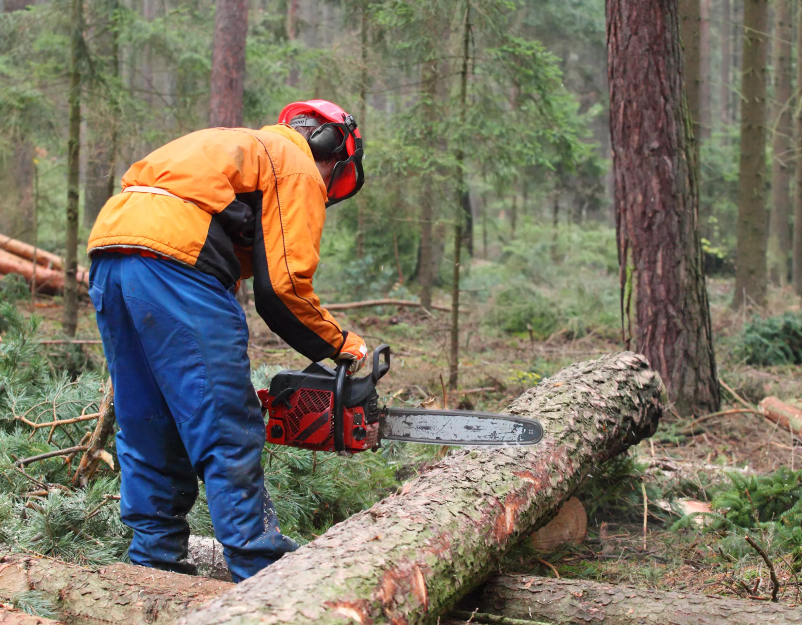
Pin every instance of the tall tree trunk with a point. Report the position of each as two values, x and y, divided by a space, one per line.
228 63
725 41
657 200
292 35
690 17
704 71
362 111
462 200
750 276
16 186
426 269
779 246
797 264
70 322
101 162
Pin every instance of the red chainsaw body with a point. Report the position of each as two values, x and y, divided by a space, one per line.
300 408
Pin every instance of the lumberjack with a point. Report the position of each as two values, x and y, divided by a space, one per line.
194 218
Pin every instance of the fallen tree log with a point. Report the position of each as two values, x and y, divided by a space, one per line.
49 281
120 593
524 598
411 557
383 302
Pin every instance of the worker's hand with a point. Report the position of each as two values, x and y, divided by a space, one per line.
354 350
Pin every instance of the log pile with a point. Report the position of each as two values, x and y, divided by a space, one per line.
41 269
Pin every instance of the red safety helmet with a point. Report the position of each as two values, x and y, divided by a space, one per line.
338 137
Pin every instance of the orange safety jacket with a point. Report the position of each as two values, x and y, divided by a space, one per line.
239 203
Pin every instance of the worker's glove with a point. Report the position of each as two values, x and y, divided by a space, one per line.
354 350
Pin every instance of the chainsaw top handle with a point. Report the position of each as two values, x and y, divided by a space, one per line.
379 370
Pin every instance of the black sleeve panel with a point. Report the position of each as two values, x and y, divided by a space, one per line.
274 311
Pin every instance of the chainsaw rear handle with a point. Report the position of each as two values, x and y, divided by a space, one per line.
379 370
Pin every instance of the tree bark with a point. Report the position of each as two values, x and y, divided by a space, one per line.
120 593
779 246
70 319
657 201
797 253
410 557
564 602
690 18
750 276
228 63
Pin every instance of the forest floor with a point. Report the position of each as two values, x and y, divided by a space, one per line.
682 462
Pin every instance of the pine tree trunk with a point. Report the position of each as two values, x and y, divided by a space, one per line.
725 41
410 557
750 277
70 322
461 201
704 71
564 602
426 269
797 252
690 16
228 63
782 156
101 162
657 200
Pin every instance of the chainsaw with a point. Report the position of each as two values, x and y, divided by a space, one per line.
323 409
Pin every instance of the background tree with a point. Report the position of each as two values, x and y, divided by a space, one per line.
751 278
73 164
228 63
690 16
779 244
657 201
797 243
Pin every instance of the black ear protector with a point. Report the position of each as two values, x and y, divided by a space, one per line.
325 141
328 141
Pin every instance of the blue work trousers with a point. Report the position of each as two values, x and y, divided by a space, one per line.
176 343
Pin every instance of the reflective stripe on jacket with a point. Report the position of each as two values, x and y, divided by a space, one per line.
247 203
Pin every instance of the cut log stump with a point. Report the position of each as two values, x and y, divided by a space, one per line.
411 557
786 416
569 526
523 599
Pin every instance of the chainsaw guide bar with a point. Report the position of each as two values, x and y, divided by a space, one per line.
323 409
456 427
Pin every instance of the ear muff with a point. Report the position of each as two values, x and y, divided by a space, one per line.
326 141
